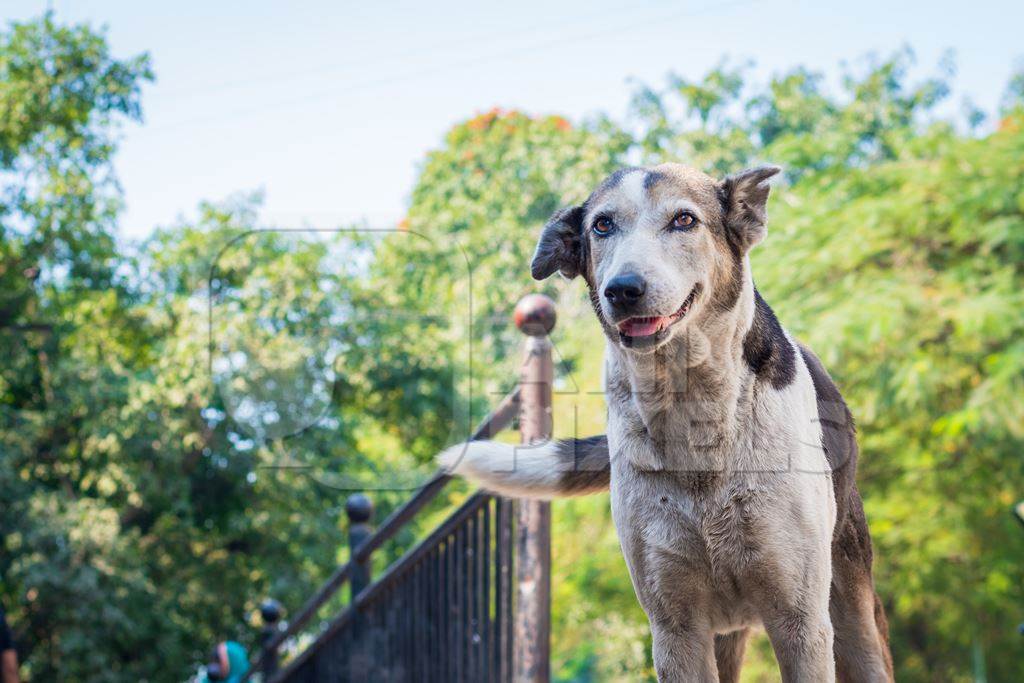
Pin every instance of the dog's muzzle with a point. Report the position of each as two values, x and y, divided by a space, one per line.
624 293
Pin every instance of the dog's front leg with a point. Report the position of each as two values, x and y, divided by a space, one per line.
793 599
670 592
683 655
802 644
794 611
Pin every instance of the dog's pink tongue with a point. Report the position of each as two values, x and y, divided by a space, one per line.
640 327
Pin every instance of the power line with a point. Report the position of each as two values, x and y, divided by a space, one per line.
334 68
459 64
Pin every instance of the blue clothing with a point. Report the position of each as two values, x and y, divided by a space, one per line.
238 664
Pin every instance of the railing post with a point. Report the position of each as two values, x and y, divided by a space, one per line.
535 317
359 509
270 612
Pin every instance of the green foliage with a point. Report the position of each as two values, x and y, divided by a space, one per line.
179 421
460 253
61 96
138 525
905 276
793 120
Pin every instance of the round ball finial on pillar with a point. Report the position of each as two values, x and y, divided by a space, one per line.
358 508
535 315
271 611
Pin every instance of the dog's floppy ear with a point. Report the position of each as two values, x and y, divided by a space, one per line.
744 199
560 246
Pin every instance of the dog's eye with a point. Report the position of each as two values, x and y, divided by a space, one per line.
603 226
684 220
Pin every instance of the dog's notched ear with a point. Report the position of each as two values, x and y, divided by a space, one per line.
560 246
744 198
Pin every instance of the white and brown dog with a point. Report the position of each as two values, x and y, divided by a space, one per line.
730 453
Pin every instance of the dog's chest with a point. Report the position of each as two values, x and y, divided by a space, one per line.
677 536
713 521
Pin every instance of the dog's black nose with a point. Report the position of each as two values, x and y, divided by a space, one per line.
625 289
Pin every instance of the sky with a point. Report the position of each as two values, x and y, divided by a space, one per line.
329 108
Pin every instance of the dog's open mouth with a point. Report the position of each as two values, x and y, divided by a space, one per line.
640 328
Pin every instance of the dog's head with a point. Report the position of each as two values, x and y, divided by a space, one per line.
657 246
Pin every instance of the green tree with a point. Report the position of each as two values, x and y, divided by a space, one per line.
62 96
140 522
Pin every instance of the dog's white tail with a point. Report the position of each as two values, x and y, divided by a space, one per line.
553 469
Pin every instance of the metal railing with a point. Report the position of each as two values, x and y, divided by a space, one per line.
441 613
471 601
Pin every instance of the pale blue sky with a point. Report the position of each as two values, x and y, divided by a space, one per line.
330 107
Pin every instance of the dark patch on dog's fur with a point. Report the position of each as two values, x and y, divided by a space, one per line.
636 429
727 294
851 541
838 432
766 349
588 458
699 483
852 581
612 181
723 199
652 178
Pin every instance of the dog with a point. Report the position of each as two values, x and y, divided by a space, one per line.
730 454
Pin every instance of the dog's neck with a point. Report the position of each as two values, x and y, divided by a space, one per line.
686 394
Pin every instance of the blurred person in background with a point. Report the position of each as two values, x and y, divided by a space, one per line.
228 662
